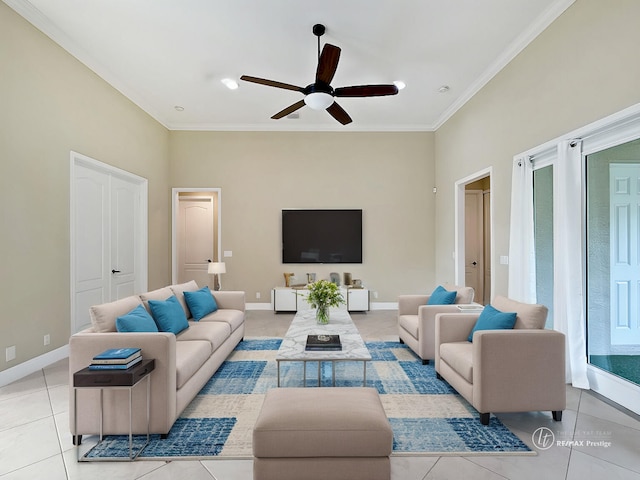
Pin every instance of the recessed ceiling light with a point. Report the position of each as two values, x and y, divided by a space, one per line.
230 83
444 89
179 108
400 84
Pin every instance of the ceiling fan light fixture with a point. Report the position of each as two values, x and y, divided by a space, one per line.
319 100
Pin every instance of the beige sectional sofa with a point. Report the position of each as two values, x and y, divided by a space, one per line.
183 362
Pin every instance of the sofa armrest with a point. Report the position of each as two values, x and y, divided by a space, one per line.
409 304
454 327
160 346
522 369
233 300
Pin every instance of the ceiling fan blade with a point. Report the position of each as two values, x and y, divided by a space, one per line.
327 63
366 91
288 110
271 83
337 112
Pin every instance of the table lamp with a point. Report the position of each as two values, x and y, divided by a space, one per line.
216 268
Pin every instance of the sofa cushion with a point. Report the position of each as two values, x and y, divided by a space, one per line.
459 356
213 332
234 318
103 317
179 289
190 356
440 296
137 320
410 324
201 303
493 319
169 315
159 294
529 315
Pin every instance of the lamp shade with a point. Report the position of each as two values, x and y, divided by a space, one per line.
217 267
318 100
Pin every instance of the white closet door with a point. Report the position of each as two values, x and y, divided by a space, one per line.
125 205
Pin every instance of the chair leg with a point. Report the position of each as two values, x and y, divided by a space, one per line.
557 415
401 341
76 439
425 361
484 418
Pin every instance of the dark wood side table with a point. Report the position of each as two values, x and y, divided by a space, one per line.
113 379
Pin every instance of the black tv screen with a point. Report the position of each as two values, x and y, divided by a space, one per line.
321 236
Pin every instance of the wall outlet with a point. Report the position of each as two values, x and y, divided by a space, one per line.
11 353
375 294
228 253
257 294
47 339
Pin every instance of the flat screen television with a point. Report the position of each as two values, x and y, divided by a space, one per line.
321 236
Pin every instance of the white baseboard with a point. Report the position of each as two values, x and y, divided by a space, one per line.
30 366
373 306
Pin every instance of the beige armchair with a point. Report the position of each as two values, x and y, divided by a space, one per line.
517 370
416 320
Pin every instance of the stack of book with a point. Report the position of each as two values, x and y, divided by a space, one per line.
321 343
116 359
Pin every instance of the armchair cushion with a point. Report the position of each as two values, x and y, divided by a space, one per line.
440 296
529 315
493 319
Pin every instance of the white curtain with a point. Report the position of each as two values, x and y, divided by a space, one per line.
522 264
569 301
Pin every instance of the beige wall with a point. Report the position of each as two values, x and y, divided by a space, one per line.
52 104
582 68
389 175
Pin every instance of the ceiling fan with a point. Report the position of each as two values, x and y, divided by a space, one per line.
320 94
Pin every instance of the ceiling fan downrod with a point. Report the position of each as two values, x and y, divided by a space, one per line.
318 31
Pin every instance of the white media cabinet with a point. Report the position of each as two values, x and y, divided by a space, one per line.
287 299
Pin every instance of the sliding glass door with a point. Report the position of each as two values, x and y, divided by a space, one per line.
613 260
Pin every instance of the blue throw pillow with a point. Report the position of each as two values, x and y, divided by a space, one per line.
169 315
493 319
201 303
440 296
137 320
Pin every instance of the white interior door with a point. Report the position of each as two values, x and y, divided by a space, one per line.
108 236
91 239
474 243
195 237
625 255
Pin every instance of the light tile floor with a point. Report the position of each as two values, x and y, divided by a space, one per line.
35 441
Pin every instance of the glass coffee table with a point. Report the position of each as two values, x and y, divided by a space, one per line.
293 347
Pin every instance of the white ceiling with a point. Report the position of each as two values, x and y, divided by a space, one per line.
167 53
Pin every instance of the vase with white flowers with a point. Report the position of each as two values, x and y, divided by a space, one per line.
323 295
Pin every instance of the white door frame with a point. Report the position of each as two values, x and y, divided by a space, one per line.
459 251
175 194
78 159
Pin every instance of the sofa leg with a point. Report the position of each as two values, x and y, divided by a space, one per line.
425 361
484 418
438 376
76 439
164 436
401 341
557 415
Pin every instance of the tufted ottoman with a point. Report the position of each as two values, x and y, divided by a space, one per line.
322 433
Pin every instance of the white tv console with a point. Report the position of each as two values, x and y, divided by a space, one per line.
288 299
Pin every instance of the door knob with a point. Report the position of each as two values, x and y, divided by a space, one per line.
115 271
474 263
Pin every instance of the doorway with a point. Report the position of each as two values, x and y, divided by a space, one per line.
108 237
613 260
473 239
196 233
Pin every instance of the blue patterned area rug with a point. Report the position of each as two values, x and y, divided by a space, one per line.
427 416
